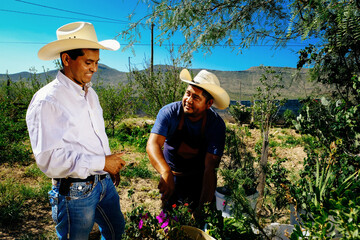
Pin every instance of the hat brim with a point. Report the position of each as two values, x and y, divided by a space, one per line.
221 98
51 51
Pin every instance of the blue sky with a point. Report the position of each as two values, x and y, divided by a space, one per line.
27 25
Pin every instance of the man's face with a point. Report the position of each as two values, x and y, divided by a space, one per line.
194 103
82 69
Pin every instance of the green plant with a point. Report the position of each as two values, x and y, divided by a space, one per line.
117 103
132 134
277 188
157 88
140 170
14 99
335 214
266 108
289 116
241 163
241 113
166 225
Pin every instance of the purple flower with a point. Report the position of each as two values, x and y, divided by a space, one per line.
165 223
166 230
141 223
176 219
161 217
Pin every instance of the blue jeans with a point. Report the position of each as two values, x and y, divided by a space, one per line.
86 203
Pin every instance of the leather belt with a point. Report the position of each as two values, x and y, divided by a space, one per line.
89 178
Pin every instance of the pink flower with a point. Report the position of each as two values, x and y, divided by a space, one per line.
224 203
141 223
165 223
161 217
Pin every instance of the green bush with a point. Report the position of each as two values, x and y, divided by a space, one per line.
289 116
241 113
328 189
133 135
14 100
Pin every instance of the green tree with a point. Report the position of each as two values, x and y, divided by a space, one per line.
266 108
158 89
204 24
335 59
117 103
14 100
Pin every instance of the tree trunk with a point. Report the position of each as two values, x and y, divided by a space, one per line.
263 170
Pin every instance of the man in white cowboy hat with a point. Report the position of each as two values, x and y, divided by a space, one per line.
67 134
192 136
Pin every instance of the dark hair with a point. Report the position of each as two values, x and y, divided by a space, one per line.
205 93
73 54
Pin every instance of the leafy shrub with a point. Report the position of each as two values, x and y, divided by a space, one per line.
133 135
289 116
14 99
142 224
240 168
241 113
277 187
12 133
329 181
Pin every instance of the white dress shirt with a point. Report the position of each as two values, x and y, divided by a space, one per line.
67 130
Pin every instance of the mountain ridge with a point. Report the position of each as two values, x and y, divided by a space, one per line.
240 85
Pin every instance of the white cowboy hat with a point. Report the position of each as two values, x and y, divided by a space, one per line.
73 36
208 81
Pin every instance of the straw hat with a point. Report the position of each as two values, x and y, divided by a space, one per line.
73 36
208 81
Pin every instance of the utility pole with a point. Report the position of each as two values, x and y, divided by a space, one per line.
129 65
130 69
240 91
152 50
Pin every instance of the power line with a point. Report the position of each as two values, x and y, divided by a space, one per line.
46 15
176 45
68 11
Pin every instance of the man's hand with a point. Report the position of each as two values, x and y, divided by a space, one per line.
166 185
113 163
116 179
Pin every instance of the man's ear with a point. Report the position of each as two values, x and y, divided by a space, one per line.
209 103
65 58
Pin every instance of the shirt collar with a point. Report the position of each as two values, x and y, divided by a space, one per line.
67 82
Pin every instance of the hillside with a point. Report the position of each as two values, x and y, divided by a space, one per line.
239 84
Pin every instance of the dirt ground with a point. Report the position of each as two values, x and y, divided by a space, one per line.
38 222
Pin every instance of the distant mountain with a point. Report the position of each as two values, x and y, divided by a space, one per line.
106 74
241 85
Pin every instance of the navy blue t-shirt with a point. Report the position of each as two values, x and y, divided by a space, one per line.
168 120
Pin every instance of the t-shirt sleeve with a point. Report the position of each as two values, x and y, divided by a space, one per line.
162 122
